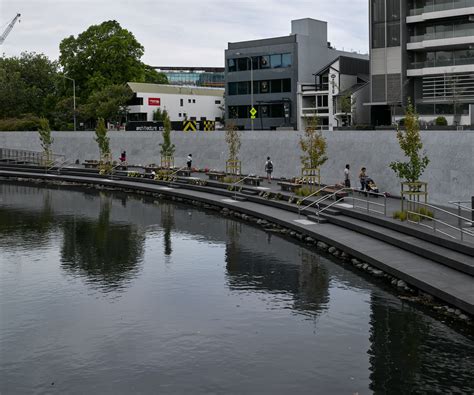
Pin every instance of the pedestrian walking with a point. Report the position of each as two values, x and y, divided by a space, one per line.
269 169
363 179
190 161
347 176
123 157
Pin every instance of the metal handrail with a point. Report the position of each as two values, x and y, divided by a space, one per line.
369 202
315 193
238 182
319 201
435 229
435 220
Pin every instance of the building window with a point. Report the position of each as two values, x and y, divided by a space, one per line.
217 102
232 88
264 62
137 117
181 102
393 34
275 61
393 10
194 101
378 35
135 101
242 64
179 115
378 10
189 101
287 85
275 86
286 60
264 88
243 88
231 65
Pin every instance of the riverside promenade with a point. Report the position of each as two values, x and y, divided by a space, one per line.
416 260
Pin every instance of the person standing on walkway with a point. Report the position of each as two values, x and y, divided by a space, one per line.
347 176
269 169
363 179
190 161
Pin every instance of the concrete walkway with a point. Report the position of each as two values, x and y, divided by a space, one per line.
447 284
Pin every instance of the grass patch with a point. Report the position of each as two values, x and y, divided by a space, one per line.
304 191
418 215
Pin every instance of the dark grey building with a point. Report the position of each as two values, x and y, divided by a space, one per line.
276 66
422 49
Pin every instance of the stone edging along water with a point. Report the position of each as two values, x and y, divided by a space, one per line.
405 291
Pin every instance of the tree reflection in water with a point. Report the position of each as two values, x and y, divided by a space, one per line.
307 280
167 223
107 254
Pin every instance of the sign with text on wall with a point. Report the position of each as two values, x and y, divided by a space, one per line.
154 101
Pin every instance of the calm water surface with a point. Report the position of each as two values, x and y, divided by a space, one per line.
103 293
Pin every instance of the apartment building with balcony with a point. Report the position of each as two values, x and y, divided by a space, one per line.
275 66
337 96
422 50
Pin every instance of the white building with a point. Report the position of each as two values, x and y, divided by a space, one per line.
344 79
181 102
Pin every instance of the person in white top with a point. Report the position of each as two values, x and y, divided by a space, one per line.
189 161
347 176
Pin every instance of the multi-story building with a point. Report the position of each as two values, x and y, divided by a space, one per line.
211 77
338 95
422 50
181 102
265 73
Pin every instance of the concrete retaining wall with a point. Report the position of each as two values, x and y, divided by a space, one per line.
450 174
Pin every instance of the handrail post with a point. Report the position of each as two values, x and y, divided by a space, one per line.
368 204
384 205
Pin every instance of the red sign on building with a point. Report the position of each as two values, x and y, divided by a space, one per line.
154 101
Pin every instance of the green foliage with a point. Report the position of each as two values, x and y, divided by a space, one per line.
441 121
410 143
167 149
313 145
110 103
232 138
304 191
158 115
153 77
26 123
44 132
345 104
29 84
103 55
103 141
417 215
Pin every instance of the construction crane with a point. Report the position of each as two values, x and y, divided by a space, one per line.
9 28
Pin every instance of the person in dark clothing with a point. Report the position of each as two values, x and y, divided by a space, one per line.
269 169
347 176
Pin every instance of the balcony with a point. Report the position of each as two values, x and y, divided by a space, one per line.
441 66
449 5
445 10
455 37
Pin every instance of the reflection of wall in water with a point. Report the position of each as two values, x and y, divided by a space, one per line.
249 267
401 338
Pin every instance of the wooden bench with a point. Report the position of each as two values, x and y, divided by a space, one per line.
216 176
184 173
289 186
254 181
90 164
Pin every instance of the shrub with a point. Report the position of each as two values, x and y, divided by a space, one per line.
304 191
441 121
416 216
26 123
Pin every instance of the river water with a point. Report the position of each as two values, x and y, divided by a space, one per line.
102 293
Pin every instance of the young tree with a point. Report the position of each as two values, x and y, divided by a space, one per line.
158 115
232 138
46 139
167 148
313 145
346 107
103 141
410 143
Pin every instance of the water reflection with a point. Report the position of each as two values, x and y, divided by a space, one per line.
167 223
406 352
107 254
305 278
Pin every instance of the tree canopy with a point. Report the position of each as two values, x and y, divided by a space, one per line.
103 55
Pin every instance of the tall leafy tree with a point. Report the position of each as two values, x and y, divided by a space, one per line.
103 55
153 77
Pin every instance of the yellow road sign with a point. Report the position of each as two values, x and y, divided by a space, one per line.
253 112
189 125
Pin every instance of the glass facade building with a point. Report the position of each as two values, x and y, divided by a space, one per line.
211 77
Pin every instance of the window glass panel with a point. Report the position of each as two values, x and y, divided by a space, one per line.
286 60
232 88
393 34
275 86
287 85
378 10
325 101
264 87
393 10
255 62
243 88
231 65
277 111
263 111
264 62
243 112
242 64
378 35
275 61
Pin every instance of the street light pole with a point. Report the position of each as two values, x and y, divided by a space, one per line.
74 97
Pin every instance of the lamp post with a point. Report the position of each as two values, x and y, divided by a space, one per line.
251 87
74 97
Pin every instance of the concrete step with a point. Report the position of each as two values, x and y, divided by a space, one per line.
322 220
250 192
241 198
435 252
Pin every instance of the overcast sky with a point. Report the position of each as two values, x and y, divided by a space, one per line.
180 32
